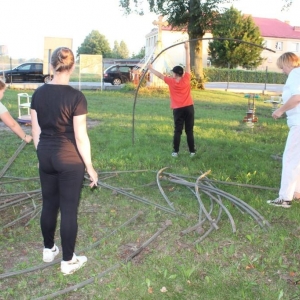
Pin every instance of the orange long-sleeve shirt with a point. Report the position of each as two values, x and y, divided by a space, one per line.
180 91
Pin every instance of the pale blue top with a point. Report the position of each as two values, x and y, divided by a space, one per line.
291 88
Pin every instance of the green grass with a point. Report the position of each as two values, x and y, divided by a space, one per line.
252 263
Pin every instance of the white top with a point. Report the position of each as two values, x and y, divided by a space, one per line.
3 109
291 88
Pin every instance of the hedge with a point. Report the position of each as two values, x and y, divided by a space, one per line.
234 75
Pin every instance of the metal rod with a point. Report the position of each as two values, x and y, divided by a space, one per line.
11 160
102 274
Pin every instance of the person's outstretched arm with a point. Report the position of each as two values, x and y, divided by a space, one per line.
187 57
10 122
156 73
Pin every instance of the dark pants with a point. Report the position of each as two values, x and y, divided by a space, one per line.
61 175
184 118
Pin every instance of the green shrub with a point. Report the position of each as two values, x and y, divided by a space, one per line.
197 83
236 75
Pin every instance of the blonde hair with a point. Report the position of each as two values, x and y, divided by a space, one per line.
2 85
288 59
62 59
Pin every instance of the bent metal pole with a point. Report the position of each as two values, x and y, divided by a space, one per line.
164 50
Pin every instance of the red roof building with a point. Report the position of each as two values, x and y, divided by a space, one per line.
278 36
273 28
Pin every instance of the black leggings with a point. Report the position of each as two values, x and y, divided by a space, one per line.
184 118
61 175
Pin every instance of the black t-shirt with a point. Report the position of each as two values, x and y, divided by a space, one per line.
56 105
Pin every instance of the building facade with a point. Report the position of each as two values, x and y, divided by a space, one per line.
278 36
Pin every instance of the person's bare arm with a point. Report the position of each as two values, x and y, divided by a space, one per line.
156 73
291 103
10 122
84 146
187 57
35 128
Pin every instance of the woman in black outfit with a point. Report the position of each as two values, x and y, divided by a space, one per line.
58 114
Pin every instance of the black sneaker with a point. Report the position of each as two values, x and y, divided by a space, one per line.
280 202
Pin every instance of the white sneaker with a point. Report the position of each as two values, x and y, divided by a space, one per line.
49 254
69 267
175 154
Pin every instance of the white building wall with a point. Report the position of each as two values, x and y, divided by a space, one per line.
176 56
172 56
280 45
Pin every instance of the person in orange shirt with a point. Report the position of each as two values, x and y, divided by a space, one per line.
181 103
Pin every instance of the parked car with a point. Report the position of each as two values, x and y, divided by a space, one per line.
118 74
27 72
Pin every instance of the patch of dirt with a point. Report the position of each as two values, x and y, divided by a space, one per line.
92 123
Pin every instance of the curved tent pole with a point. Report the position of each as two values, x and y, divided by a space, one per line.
164 50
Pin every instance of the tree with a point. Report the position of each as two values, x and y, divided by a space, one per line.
120 50
224 53
194 15
95 43
287 4
123 51
140 55
115 51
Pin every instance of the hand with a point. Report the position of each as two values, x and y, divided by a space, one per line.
277 114
93 176
27 138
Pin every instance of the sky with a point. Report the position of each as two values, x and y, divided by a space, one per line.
25 23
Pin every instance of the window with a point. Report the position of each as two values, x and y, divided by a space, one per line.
295 47
114 69
25 67
124 69
266 44
39 67
278 46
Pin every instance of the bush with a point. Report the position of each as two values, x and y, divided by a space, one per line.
197 83
235 75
